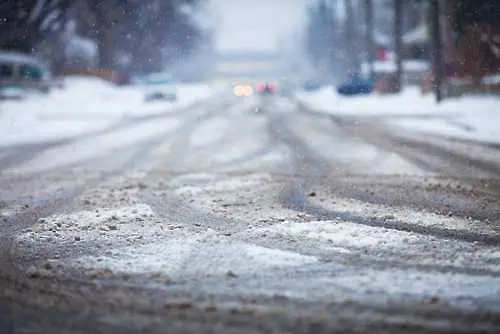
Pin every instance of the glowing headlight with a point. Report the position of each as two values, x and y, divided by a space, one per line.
242 90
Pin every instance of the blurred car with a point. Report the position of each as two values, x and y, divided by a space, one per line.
21 74
159 86
355 85
243 90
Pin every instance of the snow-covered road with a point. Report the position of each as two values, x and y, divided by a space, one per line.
250 215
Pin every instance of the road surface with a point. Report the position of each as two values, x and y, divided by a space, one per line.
250 216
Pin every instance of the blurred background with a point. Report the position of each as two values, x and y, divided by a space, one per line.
443 46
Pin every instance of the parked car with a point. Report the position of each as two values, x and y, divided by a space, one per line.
356 85
159 86
22 73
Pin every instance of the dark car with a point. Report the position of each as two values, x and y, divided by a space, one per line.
356 85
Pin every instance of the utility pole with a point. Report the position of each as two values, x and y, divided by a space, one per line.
370 47
398 41
351 43
437 51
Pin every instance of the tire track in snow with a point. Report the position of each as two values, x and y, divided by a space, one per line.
18 154
14 224
294 196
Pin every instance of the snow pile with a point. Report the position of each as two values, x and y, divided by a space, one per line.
84 105
128 222
471 117
411 101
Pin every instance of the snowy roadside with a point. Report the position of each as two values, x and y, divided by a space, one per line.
83 106
470 117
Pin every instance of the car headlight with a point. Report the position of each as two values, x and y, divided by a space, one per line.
243 90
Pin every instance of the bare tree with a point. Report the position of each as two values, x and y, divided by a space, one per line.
25 23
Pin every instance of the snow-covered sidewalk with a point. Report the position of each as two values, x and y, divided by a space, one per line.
470 117
84 105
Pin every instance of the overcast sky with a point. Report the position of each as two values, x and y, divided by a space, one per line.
255 24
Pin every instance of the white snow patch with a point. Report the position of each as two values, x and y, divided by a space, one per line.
342 234
411 101
194 257
84 105
224 185
470 117
369 211
458 289
389 243
237 182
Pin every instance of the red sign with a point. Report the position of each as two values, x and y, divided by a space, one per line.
382 54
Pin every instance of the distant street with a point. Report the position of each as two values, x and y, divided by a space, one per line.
250 215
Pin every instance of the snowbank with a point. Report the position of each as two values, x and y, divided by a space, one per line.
469 117
409 102
84 105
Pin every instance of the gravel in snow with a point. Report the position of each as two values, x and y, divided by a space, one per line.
200 257
383 244
381 212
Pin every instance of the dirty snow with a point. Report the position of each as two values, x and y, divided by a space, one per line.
137 241
274 251
459 290
370 211
346 237
195 256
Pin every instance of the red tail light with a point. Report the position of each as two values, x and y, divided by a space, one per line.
261 87
273 87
